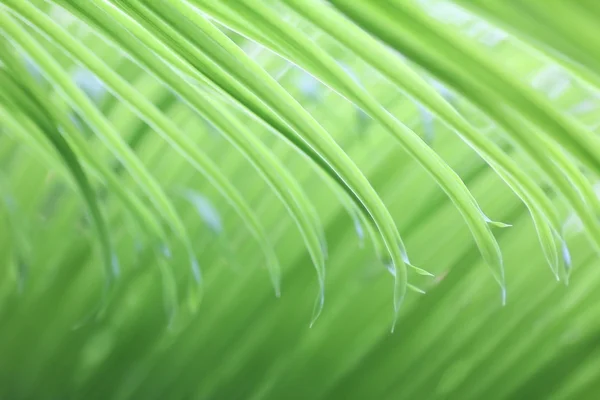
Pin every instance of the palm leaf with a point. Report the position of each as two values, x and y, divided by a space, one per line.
126 135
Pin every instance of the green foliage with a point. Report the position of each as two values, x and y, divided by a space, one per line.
218 199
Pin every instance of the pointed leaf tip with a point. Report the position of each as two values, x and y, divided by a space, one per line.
416 289
318 308
421 271
498 224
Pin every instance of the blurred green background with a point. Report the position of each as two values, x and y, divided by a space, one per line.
126 272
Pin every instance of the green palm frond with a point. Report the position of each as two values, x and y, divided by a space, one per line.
166 165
